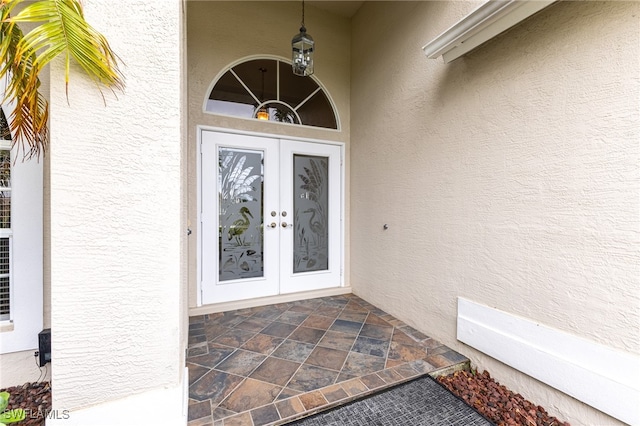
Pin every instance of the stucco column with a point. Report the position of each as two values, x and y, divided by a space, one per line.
117 305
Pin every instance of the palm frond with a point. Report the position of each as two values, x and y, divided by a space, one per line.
63 31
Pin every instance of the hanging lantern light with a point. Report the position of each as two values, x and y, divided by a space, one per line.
302 51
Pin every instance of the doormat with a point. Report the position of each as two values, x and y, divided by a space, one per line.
420 402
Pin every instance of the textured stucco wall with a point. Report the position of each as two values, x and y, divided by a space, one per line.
222 32
19 368
116 231
510 176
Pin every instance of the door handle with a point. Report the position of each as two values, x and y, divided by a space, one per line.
284 224
272 225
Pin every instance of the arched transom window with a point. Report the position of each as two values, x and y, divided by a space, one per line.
267 89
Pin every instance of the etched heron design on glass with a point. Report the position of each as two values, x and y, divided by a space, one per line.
239 226
240 181
311 200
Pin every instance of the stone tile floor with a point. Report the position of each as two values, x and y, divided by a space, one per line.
273 364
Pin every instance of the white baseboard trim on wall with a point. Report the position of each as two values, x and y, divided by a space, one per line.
600 376
160 406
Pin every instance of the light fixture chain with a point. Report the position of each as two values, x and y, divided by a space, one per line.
303 13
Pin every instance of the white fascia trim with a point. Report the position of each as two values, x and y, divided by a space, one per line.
600 376
481 25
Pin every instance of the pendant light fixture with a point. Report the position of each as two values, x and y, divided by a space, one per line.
263 113
302 51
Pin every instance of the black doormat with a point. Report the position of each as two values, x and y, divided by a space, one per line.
420 402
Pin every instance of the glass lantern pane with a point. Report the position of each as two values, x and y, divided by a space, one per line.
311 207
240 190
302 54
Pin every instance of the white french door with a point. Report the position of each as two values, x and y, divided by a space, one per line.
270 216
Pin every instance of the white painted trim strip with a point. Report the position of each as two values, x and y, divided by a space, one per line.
487 21
160 406
602 377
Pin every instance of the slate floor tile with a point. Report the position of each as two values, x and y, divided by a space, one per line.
345 326
370 346
264 415
293 351
234 337
376 331
241 362
318 321
215 385
307 335
275 370
289 407
358 364
332 359
198 410
295 318
258 366
253 324
310 377
196 372
216 354
262 343
337 340
251 394
279 329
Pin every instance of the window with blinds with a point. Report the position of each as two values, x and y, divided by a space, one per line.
5 219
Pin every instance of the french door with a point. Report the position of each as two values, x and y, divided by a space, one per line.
270 216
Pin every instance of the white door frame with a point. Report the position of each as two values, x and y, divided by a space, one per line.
199 235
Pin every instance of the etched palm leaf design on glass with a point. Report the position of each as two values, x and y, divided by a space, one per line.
240 186
311 202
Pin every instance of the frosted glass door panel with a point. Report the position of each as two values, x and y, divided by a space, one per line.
240 183
239 257
311 191
311 208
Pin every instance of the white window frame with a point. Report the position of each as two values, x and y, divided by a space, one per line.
5 145
20 332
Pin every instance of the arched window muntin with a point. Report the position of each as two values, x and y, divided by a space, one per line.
271 103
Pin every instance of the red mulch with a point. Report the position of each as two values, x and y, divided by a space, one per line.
34 398
496 402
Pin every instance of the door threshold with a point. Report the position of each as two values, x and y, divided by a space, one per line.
270 300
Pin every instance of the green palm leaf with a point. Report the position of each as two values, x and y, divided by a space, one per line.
63 31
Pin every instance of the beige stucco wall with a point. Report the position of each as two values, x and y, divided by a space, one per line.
222 32
510 177
117 302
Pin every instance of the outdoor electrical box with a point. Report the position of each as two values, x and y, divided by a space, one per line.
44 347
